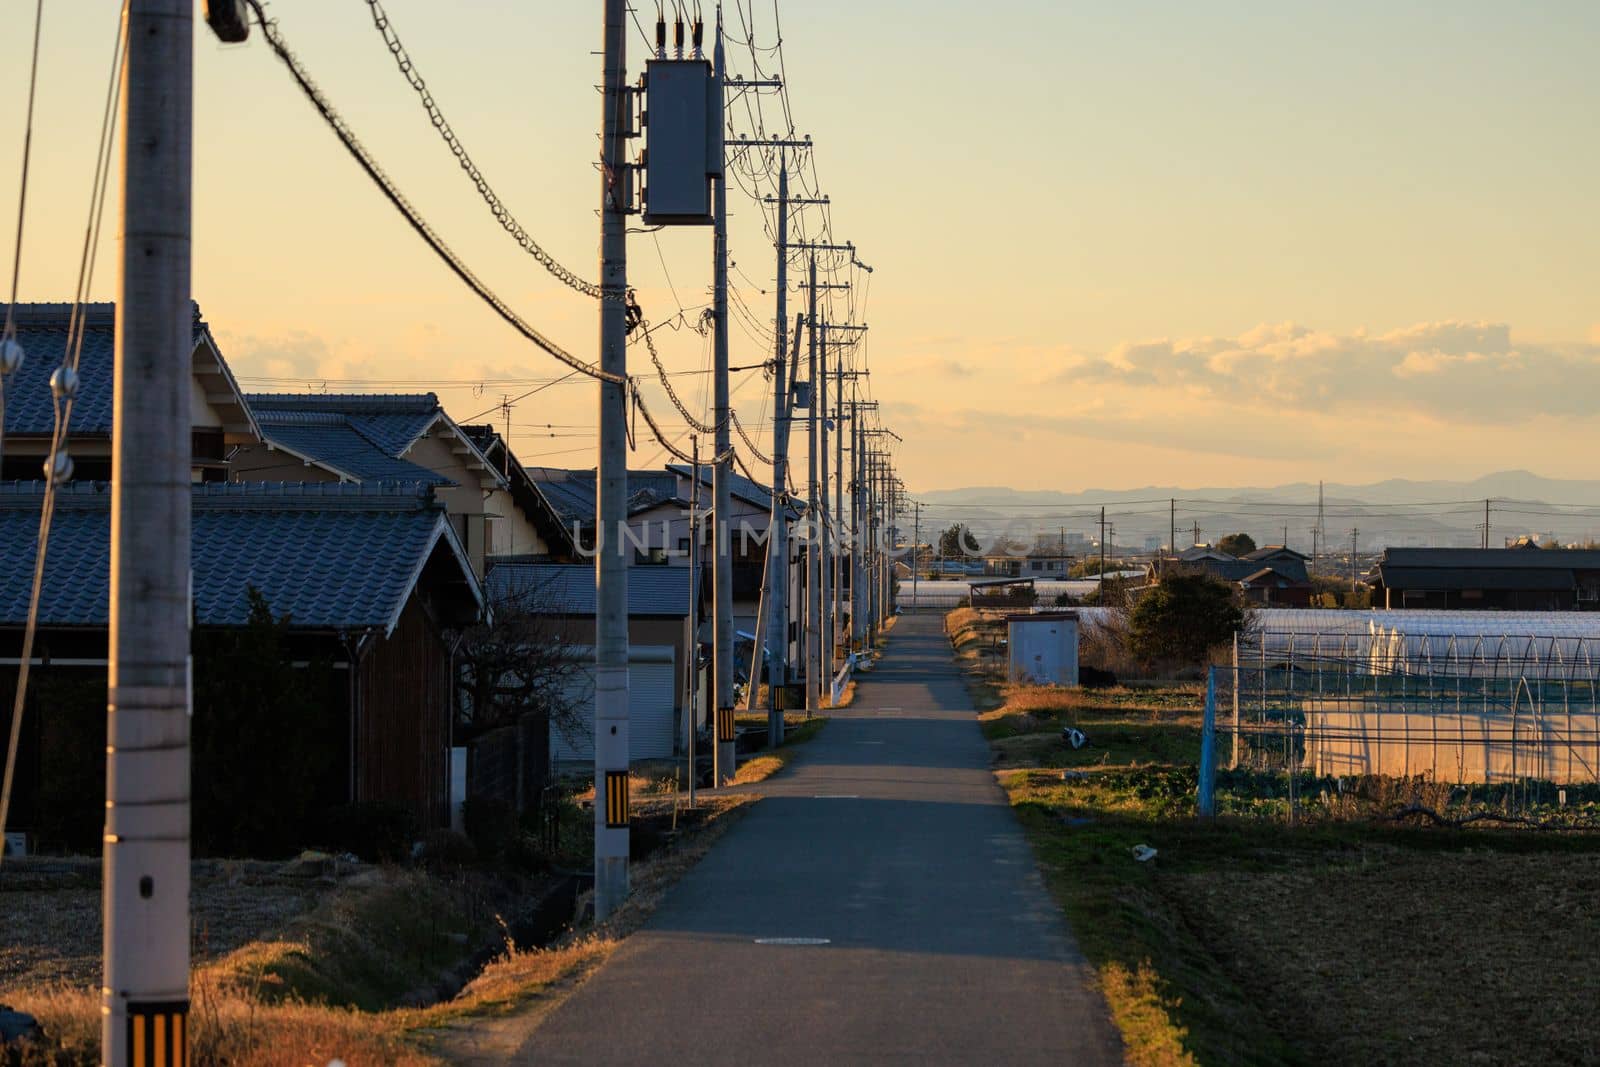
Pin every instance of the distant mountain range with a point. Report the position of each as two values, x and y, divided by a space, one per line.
1393 512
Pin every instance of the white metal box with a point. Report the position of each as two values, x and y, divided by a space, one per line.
682 116
1043 648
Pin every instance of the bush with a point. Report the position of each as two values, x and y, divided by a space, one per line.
491 825
1182 618
447 850
375 830
268 738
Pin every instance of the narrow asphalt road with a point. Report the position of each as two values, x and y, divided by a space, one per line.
889 838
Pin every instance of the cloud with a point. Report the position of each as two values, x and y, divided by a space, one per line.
954 368
1447 370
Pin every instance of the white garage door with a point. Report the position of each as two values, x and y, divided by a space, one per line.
652 697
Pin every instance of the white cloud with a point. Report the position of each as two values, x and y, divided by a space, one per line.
1443 369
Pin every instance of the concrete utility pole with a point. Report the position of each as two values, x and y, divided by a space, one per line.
847 538
722 543
693 712
825 627
1102 586
145 993
813 525
611 496
778 542
916 547
1355 534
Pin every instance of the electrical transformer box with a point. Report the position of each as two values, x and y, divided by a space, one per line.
682 117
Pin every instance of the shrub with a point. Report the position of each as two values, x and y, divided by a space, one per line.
447 849
375 830
491 825
1182 618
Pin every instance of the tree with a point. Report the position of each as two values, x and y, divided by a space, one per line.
1237 544
1183 618
518 677
266 747
1089 566
957 542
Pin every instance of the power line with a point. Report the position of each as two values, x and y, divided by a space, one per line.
414 219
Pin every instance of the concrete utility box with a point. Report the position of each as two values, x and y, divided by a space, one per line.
1043 647
682 116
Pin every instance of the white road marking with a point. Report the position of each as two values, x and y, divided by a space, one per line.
793 941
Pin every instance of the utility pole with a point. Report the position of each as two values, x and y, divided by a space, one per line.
916 548
1318 530
1102 588
1172 524
1355 533
145 991
778 542
825 624
693 712
813 524
841 545
722 545
1486 524
1197 532
611 498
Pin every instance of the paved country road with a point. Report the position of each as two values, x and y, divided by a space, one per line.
889 838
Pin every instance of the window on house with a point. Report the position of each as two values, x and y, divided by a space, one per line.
683 545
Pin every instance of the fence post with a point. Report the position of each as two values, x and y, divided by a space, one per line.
1206 801
1234 764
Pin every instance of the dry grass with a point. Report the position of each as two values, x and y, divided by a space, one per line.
1144 1012
847 696
226 1028
251 1006
495 1014
770 761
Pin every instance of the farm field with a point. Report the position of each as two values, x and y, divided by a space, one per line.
1248 940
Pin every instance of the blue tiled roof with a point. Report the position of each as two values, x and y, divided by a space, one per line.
341 446
42 332
359 435
740 487
570 493
333 557
568 588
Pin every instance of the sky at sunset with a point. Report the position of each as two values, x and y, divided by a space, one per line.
1113 244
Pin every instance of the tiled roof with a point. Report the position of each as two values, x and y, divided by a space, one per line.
331 556
1269 575
1519 558
358 435
1273 552
42 332
570 493
740 487
568 588
1236 570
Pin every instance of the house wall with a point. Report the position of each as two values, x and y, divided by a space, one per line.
511 532
465 500
262 463
403 719
1484 600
